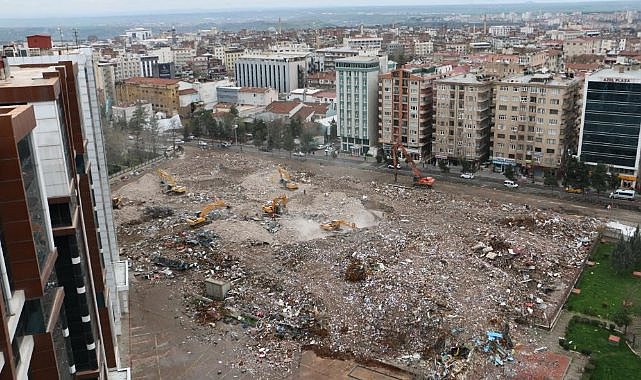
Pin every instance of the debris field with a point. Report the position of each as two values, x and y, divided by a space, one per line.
436 283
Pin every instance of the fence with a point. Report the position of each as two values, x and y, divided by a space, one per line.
137 167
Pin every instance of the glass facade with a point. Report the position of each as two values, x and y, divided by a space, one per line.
612 123
37 214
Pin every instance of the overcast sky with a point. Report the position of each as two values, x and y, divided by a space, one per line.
55 8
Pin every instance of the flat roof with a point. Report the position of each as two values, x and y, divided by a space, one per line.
464 79
540 79
629 74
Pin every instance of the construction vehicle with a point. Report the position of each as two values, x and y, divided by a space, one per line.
170 183
335 225
201 216
116 202
286 179
276 206
419 180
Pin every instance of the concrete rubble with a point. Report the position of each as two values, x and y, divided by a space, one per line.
428 281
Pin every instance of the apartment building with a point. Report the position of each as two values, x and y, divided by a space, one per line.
357 93
147 65
231 55
284 72
611 128
61 301
127 66
462 118
423 49
405 111
536 120
161 93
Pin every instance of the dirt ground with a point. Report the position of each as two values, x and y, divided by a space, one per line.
424 276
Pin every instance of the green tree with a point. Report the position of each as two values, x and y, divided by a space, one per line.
508 172
233 111
442 164
137 123
288 141
467 166
120 123
623 257
154 134
307 140
333 130
549 178
622 318
259 131
295 126
599 178
613 181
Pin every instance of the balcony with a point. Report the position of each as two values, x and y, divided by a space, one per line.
25 347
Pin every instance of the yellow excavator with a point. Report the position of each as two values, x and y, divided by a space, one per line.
276 206
116 202
170 183
335 225
201 216
286 179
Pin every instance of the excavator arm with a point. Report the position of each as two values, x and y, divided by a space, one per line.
419 179
276 206
201 216
169 181
336 224
286 179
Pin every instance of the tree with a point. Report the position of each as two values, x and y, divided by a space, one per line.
306 140
549 178
120 123
154 134
442 164
613 181
333 130
233 111
577 174
623 257
288 141
508 172
295 126
598 178
467 166
622 318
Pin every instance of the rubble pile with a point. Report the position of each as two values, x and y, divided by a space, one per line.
422 281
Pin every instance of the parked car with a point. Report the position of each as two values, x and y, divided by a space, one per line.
510 184
202 143
622 194
391 166
299 154
573 190
225 144
179 142
467 175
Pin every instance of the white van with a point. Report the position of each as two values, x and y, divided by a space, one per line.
510 184
622 194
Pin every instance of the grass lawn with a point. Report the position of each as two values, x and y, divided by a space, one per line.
611 362
603 290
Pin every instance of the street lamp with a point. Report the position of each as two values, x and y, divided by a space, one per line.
236 136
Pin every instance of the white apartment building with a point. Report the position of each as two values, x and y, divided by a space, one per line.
127 66
363 43
284 72
164 54
500 30
357 93
423 49
183 56
138 34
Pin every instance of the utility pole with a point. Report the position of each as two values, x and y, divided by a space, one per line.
75 36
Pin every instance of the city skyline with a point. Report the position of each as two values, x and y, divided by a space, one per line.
74 8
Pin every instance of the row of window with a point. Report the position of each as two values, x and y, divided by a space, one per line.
531 89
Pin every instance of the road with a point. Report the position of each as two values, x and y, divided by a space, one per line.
486 184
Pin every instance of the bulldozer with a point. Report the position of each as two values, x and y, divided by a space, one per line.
276 206
286 179
335 225
170 183
201 216
116 202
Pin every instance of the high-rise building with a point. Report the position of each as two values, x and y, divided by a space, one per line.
462 118
405 110
283 72
536 120
610 132
357 93
62 300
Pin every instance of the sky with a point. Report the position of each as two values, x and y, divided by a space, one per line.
55 8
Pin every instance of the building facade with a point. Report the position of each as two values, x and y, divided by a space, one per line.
405 111
462 118
357 110
56 228
610 131
536 120
283 72
161 93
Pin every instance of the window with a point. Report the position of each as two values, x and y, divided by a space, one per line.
554 112
550 141
538 130
503 98
503 107
554 101
550 151
553 121
503 88
523 99
552 132
500 127
514 118
502 117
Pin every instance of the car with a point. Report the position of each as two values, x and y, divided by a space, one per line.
329 149
623 194
391 166
571 189
202 143
225 144
510 184
299 154
179 142
467 175
320 146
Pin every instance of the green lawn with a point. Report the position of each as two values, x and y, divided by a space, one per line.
611 362
603 290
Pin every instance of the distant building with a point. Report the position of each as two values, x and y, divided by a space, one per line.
611 128
162 94
230 56
126 111
283 72
147 64
40 41
138 34
357 93
253 96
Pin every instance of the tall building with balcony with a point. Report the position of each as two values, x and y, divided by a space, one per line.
405 111
536 120
462 118
357 93
611 128
62 296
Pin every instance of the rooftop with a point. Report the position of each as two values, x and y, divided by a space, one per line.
255 90
627 73
152 81
546 79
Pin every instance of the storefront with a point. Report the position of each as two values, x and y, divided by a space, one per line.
499 163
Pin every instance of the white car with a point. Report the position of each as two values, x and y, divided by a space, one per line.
299 154
225 144
391 166
510 184
467 175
